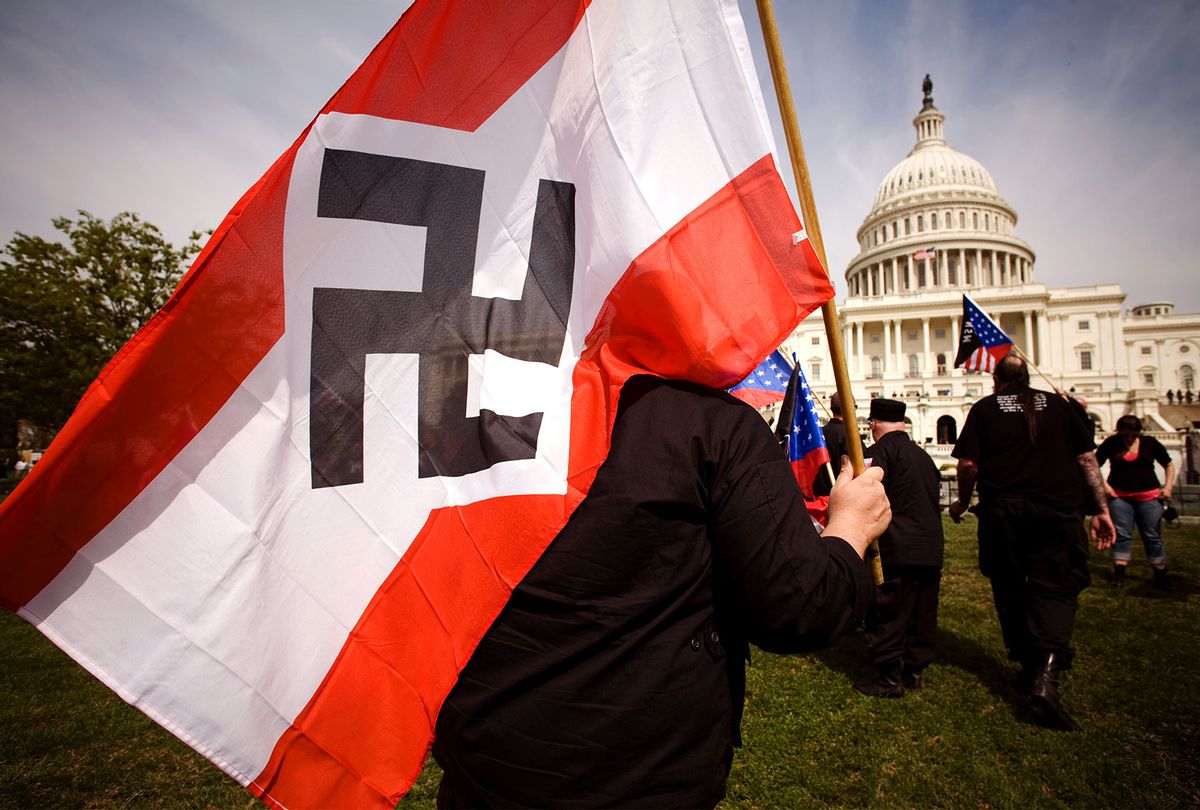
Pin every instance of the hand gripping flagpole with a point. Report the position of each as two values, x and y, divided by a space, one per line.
808 213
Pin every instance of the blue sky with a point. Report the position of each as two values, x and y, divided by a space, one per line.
1087 114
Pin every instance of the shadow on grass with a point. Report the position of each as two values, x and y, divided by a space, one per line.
969 656
1139 582
851 657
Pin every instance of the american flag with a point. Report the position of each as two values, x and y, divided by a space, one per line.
926 253
981 343
805 442
767 384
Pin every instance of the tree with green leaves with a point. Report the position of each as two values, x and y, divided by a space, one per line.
67 307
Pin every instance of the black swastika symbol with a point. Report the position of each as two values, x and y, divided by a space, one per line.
443 323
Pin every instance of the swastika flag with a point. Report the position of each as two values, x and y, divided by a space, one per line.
282 517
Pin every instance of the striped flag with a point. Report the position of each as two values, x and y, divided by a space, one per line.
804 441
925 253
981 342
767 383
281 518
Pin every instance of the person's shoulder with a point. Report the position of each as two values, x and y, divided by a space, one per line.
1154 444
647 392
984 403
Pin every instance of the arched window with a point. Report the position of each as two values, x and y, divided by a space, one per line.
914 366
1187 377
947 430
876 367
941 364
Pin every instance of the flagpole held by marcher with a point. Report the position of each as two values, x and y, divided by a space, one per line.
1016 348
812 228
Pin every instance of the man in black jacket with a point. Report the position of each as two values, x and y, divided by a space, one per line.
614 676
902 622
1030 452
834 432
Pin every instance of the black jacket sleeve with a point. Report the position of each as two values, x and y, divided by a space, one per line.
796 590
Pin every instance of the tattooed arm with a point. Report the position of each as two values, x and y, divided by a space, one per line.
1101 524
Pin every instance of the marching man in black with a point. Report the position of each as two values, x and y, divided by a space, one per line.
1029 453
902 621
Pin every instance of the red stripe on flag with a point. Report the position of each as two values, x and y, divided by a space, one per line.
728 277
757 397
153 396
423 70
806 468
172 378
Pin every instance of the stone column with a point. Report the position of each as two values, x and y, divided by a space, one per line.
900 346
1027 343
927 368
858 346
895 276
887 346
953 344
983 282
1042 327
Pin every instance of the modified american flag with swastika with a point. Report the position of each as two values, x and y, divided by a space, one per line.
981 343
806 443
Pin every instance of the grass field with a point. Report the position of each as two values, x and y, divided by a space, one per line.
965 740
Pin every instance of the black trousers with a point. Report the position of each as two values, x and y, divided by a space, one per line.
1037 564
902 621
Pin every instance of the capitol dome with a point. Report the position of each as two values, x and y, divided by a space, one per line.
937 222
933 164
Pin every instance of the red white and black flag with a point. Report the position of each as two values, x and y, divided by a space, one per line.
285 513
981 343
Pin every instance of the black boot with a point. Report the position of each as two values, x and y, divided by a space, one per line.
1046 698
1160 579
887 685
1118 576
912 680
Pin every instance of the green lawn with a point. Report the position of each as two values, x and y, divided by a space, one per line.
965 740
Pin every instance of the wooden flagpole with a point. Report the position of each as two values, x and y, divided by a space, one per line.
808 212
1033 365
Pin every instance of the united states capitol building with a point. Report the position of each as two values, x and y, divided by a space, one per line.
938 228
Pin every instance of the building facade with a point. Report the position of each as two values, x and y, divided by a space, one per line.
938 228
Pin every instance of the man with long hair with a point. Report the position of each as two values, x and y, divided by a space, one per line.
1027 451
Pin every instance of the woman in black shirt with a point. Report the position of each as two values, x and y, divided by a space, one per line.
1134 495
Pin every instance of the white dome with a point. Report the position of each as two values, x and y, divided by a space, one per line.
934 165
937 224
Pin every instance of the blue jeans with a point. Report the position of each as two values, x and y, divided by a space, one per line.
1148 516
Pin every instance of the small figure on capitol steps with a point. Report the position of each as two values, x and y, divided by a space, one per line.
902 620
